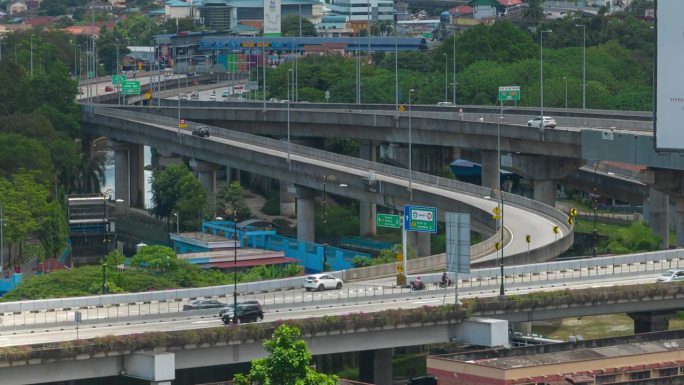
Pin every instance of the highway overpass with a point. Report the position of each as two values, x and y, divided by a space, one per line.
544 158
649 306
356 178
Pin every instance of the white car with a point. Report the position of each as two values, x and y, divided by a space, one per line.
321 282
671 276
446 104
537 122
212 97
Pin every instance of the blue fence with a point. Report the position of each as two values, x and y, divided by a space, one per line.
310 255
8 284
65 254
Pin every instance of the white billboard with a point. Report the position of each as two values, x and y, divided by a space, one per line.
669 103
271 17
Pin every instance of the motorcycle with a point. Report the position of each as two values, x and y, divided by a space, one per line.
444 285
415 286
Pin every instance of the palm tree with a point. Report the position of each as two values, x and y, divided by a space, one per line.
90 174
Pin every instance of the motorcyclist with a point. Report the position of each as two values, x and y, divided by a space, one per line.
417 284
445 279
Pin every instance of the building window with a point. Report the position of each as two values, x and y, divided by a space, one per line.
640 375
667 372
607 379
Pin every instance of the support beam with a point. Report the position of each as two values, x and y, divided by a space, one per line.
122 171
679 202
653 321
137 173
423 244
287 199
490 169
659 215
305 214
375 366
206 173
545 191
367 211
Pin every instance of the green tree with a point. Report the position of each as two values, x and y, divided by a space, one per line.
288 363
158 258
534 11
290 26
54 230
176 190
638 237
230 199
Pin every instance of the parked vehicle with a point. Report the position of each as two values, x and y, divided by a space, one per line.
671 275
321 282
537 122
201 131
246 312
204 304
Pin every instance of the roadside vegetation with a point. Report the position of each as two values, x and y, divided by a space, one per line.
152 268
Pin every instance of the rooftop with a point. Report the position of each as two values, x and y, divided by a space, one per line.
573 352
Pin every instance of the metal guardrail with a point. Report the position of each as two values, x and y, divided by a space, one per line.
550 272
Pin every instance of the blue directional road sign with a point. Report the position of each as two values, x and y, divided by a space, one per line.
420 219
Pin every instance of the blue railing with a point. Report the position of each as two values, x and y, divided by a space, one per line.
310 255
65 254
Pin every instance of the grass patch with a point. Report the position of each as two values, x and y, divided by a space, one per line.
600 326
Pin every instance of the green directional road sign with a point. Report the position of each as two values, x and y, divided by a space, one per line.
130 87
118 79
421 219
388 220
509 93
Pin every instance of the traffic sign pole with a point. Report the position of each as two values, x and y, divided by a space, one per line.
404 249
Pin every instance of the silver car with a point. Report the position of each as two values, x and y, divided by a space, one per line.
671 276
537 122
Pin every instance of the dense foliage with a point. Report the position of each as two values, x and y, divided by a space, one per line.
619 68
152 268
175 190
288 362
41 158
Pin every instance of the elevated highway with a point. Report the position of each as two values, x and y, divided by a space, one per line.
306 167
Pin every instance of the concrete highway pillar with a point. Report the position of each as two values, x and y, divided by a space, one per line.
137 173
367 211
679 202
522 327
659 215
375 366
653 321
206 173
121 171
545 191
423 244
490 169
167 158
287 199
305 214
129 182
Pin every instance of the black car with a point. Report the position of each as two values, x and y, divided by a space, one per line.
204 304
229 308
201 131
248 311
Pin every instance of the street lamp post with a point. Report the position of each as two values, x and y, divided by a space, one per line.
289 165
446 77
454 71
235 239
503 277
326 178
594 201
410 146
105 239
177 217
396 69
31 55
584 64
541 74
